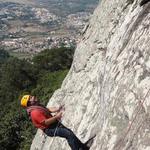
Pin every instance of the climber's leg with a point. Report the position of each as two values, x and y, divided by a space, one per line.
64 132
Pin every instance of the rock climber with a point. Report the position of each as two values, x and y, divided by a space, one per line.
49 123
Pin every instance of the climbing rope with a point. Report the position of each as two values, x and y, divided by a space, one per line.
130 125
45 136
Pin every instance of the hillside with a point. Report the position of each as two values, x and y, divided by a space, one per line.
107 89
39 76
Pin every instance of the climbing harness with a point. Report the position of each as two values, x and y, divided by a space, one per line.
130 125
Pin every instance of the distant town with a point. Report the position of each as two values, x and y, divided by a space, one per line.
25 28
24 45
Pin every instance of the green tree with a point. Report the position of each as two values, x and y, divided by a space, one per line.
15 129
47 84
40 77
4 55
15 76
54 59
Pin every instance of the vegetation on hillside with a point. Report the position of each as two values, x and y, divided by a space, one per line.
40 76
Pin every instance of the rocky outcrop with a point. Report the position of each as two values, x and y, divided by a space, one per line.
107 89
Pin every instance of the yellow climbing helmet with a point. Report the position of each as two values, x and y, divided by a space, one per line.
25 100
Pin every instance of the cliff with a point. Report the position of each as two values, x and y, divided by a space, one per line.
107 89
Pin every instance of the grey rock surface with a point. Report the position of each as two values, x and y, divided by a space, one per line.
107 89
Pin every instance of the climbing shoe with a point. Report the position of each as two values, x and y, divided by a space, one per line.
143 2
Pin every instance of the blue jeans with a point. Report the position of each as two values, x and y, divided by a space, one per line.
64 132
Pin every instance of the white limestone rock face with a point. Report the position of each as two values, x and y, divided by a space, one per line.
106 91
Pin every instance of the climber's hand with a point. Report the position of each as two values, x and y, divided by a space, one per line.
59 115
61 108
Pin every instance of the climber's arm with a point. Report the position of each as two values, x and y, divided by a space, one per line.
53 119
